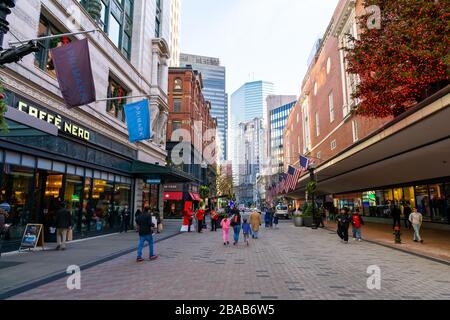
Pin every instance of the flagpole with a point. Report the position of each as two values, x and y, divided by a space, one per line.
124 97
11 43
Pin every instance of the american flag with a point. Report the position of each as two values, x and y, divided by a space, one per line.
293 175
282 183
304 162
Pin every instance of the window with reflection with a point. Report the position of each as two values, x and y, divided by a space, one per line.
116 107
16 188
43 58
103 205
178 85
73 196
116 19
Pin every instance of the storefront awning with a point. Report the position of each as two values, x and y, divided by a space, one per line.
146 170
195 196
173 196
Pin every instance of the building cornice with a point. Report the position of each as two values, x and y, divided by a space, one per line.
349 6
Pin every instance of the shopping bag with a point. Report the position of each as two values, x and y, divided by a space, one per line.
70 235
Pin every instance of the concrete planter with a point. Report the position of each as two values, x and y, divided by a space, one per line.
308 221
298 221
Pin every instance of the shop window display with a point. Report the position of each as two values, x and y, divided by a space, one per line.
15 189
73 196
103 206
437 203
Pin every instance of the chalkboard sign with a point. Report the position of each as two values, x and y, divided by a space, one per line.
32 237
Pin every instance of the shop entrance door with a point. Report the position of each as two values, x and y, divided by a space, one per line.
49 201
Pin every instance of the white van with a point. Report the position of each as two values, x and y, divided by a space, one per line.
282 211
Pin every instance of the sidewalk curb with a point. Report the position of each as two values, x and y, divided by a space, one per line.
59 275
419 255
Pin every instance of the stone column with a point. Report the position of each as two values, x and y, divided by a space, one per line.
165 76
155 60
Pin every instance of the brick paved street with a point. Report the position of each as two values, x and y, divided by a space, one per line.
288 263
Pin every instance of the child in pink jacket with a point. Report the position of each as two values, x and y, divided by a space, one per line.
225 224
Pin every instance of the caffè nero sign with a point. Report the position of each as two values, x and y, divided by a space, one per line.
55 119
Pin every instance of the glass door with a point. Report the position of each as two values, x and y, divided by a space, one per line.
73 196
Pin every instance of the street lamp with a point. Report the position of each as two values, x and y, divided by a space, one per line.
312 176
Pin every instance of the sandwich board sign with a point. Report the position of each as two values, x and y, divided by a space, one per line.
33 236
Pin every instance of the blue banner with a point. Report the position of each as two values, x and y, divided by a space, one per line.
138 120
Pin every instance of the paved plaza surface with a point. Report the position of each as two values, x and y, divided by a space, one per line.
18 270
287 263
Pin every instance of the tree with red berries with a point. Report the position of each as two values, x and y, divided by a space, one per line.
403 61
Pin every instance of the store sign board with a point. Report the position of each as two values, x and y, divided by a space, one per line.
55 119
153 181
173 187
33 236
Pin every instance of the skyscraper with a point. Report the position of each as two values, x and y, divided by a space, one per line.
175 10
214 76
278 108
247 103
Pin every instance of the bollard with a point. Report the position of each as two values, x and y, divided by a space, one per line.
397 234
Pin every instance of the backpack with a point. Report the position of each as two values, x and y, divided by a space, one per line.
356 221
234 221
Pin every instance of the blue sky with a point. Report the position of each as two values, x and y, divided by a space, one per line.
256 39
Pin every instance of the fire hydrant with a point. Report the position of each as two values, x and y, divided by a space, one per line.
397 234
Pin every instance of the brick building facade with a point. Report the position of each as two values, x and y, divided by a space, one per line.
191 133
370 164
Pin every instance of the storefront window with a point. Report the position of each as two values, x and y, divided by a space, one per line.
87 223
423 201
409 197
122 196
16 190
73 196
437 203
150 196
102 205
51 201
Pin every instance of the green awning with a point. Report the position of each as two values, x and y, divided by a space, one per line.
150 171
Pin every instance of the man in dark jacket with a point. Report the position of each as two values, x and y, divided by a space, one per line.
396 216
63 224
125 219
343 221
145 226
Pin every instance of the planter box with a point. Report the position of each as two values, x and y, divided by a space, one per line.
308 221
298 221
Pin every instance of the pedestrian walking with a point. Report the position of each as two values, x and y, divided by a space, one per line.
271 216
200 217
214 220
125 219
416 220
236 224
406 212
396 216
158 221
63 224
187 218
275 221
343 221
246 230
357 222
255 221
145 227
225 224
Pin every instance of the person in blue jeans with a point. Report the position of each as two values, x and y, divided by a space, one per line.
145 226
247 231
236 223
